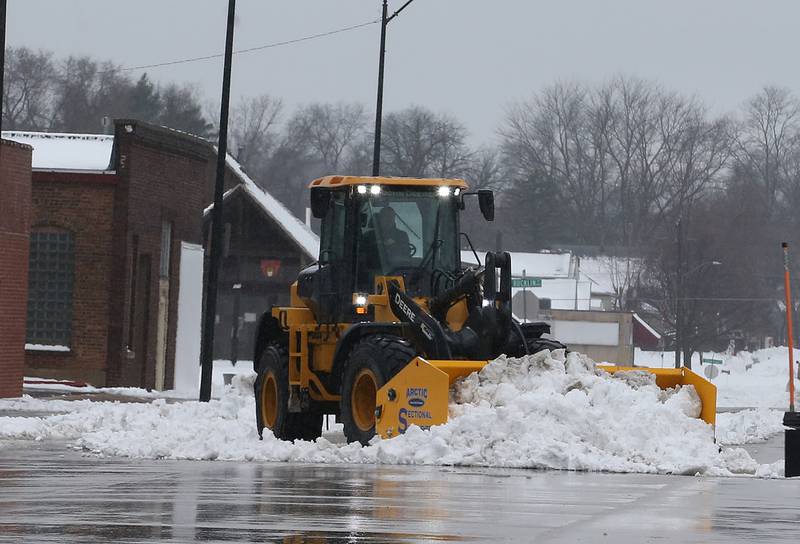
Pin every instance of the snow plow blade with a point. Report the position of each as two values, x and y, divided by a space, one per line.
419 394
671 377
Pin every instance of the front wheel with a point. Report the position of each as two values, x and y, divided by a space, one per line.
374 361
272 400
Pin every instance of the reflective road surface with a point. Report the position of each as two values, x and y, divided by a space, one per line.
49 493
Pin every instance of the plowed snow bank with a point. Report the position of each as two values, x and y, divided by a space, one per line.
540 411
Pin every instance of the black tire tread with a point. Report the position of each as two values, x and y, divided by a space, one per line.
391 354
295 425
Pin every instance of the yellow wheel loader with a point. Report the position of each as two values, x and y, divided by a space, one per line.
388 318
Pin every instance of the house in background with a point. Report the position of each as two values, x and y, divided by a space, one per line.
265 246
116 252
561 286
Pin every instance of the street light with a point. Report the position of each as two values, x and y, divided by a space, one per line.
679 305
376 150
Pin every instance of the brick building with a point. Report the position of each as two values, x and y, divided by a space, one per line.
113 219
15 195
108 213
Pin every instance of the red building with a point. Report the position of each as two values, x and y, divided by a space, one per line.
15 195
114 217
108 213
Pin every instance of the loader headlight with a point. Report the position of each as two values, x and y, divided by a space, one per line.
375 190
362 189
360 301
444 191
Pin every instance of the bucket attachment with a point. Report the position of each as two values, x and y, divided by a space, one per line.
419 394
671 377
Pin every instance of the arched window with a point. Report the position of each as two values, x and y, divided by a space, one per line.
51 276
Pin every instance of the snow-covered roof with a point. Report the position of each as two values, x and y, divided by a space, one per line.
647 327
296 229
606 273
535 265
58 152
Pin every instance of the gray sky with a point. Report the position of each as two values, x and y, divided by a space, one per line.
469 58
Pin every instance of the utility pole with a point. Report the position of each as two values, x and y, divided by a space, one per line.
787 287
678 296
209 319
376 149
2 56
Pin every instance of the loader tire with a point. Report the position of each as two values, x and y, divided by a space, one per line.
536 345
272 400
372 362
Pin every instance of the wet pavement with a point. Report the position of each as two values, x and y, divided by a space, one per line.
49 493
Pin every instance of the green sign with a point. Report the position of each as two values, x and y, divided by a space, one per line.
526 282
712 361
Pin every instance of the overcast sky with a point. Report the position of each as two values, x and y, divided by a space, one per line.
469 58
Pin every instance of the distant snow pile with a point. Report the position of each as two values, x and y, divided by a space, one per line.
755 379
546 410
748 426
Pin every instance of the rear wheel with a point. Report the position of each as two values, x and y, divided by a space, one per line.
539 344
372 362
534 342
272 400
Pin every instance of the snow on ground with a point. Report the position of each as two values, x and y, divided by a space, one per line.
748 426
546 410
747 380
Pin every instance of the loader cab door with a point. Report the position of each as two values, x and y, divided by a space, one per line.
327 280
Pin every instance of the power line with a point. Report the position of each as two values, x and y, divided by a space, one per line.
248 50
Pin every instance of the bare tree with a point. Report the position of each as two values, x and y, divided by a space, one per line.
28 89
560 134
253 133
768 138
86 92
419 143
485 170
330 132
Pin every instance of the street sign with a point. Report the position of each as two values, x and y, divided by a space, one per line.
711 372
526 283
712 361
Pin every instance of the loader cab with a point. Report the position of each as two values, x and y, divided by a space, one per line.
371 228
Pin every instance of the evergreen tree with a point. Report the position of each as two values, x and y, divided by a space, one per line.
145 101
181 110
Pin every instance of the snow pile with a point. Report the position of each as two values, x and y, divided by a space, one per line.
748 426
540 411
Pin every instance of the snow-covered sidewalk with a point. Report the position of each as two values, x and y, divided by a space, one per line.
540 411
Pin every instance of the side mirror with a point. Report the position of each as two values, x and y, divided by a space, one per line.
486 203
320 202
